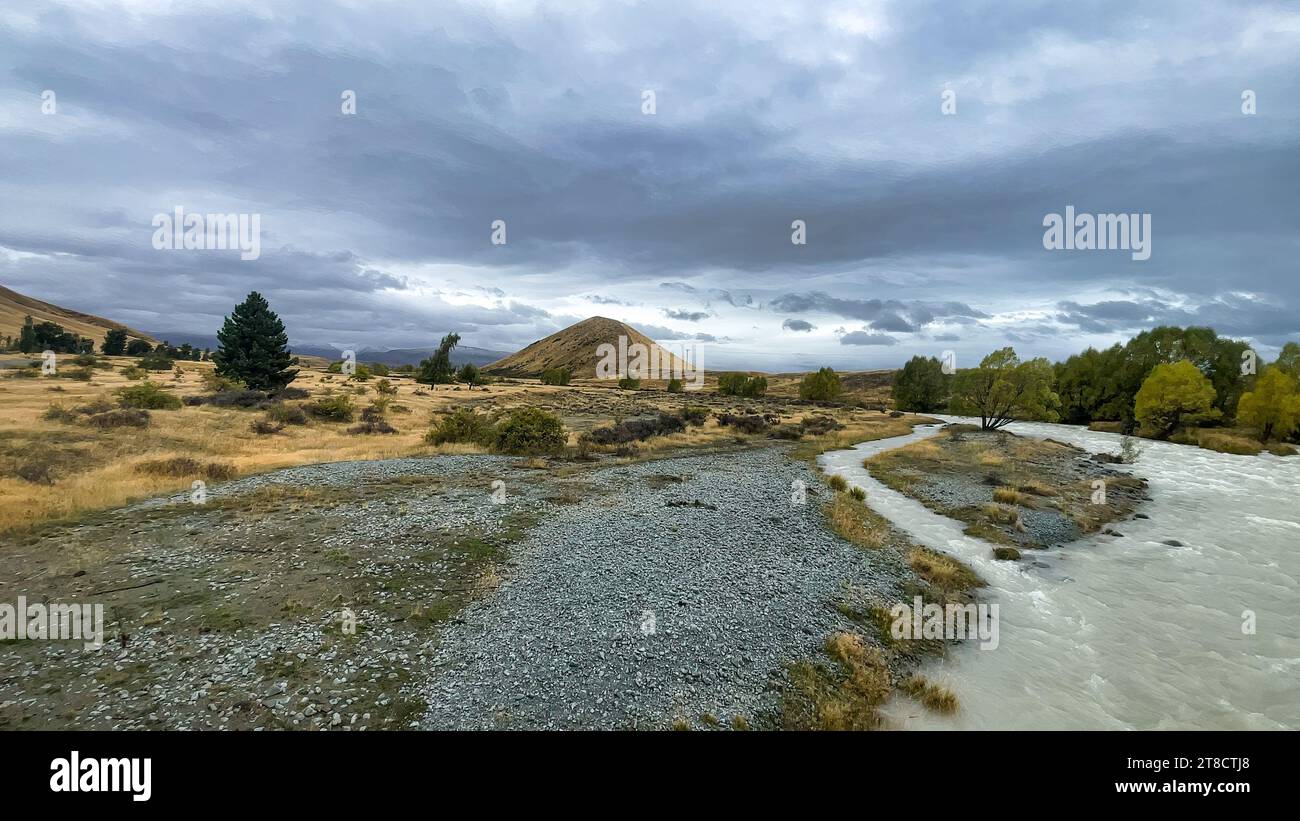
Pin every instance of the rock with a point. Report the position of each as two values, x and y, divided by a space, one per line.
1172 542
1006 553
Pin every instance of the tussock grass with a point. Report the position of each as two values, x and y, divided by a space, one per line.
853 521
842 695
933 696
944 573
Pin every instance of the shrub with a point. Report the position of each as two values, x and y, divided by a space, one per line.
530 431
127 418
147 396
155 360
675 386
819 425
332 408
745 423
838 483
58 413
264 427
214 382
372 419
181 466
290 393
385 388
134 372
637 429
555 376
820 386
236 398
695 415
283 414
462 425
741 384
627 383
859 494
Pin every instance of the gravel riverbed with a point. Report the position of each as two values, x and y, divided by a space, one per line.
660 600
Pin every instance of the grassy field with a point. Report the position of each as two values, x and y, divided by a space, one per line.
57 466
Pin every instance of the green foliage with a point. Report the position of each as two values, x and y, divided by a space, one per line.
437 369
147 396
134 372
1273 406
469 375
462 425
332 408
216 383
675 386
530 431
361 374
385 388
1172 396
254 348
1288 361
114 343
821 386
695 415
921 386
1003 389
138 347
156 360
741 384
555 376
627 383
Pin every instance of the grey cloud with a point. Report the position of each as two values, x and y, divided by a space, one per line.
864 338
798 325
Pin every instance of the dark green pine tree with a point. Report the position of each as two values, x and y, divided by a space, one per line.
254 347
114 343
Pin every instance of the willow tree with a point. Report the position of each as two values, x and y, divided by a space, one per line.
1004 389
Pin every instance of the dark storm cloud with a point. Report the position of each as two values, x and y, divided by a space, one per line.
864 338
469 114
688 316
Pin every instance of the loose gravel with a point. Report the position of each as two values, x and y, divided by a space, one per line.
662 601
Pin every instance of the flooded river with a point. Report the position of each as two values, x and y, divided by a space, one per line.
1128 632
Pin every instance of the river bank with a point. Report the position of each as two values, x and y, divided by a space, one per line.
1185 620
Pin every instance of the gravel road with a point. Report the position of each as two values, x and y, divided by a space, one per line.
655 600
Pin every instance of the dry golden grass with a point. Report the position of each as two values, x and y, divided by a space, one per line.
852 520
843 697
948 575
103 469
933 696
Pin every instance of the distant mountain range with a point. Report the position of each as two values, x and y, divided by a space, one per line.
461 355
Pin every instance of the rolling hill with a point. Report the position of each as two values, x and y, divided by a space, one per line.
574 348
15 306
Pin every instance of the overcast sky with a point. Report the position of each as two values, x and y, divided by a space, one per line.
924 229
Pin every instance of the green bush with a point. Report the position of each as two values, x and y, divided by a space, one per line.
332 408
627 383
695 415
555 376
674 386
741 384
385 388
462 425
156 360
530 431
286 414
820 386
147 396
134 372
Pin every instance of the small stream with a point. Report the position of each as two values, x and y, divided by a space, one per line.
1126 632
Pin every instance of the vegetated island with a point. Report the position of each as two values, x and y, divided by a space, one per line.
1016 492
